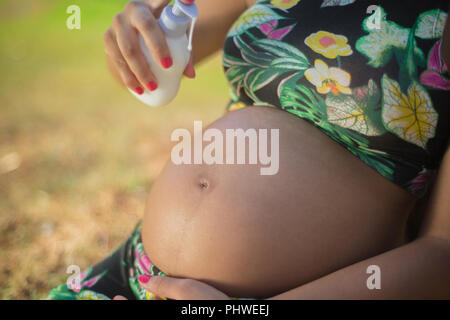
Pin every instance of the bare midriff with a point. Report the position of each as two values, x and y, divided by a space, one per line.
253 235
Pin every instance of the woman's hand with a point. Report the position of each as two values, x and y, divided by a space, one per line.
123 51
179 289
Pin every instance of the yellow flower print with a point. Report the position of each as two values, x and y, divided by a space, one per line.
91 295
237 106
284 4
327 80
328 44
409 115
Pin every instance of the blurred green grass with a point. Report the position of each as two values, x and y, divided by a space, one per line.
77 151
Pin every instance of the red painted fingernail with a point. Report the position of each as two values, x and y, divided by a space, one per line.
152 85
167 62
189 1
193 71
143 278
139 90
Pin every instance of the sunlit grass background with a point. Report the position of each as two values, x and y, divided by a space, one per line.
77 151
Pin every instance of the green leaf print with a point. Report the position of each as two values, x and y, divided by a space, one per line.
91 295
380 45
408 72
255 16
306 103
281 49
289 64
360 111
62 292
257 69
289 57
246 77
410 116
430 24
301 101
334 3
252 56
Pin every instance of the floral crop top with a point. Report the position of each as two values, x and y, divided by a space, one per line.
369 74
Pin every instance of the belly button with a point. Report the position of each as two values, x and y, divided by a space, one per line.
203 184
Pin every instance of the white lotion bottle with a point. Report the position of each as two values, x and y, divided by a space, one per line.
174 22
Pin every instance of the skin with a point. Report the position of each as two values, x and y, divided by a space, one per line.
178 223
241 217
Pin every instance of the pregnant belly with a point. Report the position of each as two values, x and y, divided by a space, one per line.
253 235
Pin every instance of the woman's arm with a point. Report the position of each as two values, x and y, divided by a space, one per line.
215 19
418 270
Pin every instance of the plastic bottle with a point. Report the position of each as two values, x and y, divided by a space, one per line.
174 21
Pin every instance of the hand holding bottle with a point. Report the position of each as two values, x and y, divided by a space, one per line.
132 29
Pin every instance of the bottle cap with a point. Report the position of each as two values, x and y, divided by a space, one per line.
175 20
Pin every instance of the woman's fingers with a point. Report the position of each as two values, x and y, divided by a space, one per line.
128 42
119 298
158 6
123 47
190 71
147 25
180 289
114 53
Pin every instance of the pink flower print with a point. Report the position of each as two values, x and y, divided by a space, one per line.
434 76
420 182
143 261
271 31
83 282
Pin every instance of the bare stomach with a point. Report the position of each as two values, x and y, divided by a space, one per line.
253 235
